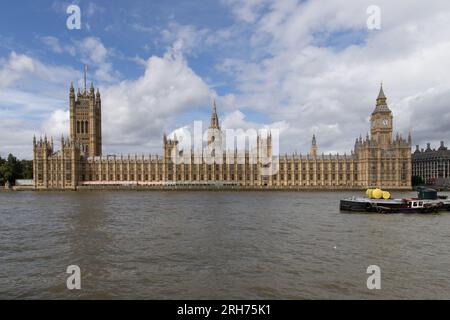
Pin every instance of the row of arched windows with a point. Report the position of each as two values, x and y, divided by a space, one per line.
82 127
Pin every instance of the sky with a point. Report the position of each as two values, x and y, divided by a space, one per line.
301 67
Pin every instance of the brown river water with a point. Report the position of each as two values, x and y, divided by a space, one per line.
216 245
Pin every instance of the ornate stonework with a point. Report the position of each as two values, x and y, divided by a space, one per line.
376 161
432 165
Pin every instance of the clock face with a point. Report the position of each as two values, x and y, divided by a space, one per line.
385 122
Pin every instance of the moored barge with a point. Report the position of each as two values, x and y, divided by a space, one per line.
427 201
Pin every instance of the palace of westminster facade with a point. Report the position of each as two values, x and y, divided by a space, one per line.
379 160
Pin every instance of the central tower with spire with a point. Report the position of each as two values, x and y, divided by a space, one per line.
214 133
214 117
381 122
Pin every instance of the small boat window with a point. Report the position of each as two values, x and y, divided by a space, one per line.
414 204
420 203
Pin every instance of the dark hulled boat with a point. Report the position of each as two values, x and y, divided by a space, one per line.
427 201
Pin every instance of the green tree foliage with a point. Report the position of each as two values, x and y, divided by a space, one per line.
12 169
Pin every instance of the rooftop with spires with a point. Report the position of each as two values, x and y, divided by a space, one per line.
83 93
381 102
214 117
431 153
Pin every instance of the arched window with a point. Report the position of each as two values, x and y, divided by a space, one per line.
86 124
78 126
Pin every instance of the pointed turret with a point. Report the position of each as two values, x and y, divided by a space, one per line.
214 117
381 102
381 95
72 90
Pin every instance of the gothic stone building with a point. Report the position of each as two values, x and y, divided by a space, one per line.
432 165
379 160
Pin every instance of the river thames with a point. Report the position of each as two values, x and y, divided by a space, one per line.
215 245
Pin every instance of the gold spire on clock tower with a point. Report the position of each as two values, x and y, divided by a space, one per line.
381 121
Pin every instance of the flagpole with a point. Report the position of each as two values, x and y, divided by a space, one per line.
85 72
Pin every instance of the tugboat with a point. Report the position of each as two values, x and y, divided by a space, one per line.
377 200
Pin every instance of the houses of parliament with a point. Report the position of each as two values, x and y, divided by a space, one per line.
378 160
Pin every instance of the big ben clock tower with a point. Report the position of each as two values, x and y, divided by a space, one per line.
381 122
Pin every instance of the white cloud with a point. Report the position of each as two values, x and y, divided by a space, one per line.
30 92
95 54
27 69
57 124
93 8
246 10
308 66
322 82
53 43
136 112
91 51
237 120
186 38
191 39
15 67
16 136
